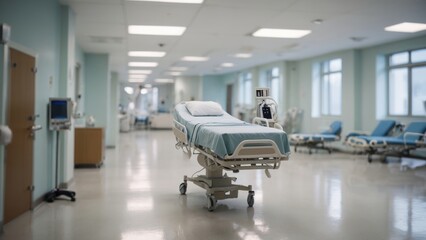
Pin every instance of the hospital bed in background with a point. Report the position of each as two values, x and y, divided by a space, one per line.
223 142
383 128
413 137
318 141
161 121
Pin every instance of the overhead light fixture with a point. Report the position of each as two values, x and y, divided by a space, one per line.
171 1
156 30
280 33
164 80
174 73
134 76
227 64
140 80
195 59
143 64
407 27
146 54
243 55
139 71
178 68
128 90
148 85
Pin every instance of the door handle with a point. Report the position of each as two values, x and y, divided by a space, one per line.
36 128
33 117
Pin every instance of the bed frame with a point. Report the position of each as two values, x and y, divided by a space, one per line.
249 154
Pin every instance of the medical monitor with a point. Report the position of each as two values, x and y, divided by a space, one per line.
60 110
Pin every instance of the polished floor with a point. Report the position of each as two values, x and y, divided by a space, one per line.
135 195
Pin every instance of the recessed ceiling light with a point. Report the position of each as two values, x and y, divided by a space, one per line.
170 1
164 80
195 59
139 71
178 68
174 73
134 76
227 64
143 64
136 80
243 55
280 33
408 27
146 54
156 30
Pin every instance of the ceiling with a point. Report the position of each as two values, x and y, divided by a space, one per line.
218 29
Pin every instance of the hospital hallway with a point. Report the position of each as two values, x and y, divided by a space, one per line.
135 195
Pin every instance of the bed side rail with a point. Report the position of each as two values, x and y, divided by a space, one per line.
262 148
180 132
421 142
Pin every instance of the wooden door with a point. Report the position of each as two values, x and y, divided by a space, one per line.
20 118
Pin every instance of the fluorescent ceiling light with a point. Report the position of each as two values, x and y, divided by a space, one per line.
156 30
227 65
407 27
243 55
164 80
280 33
171 1
128 90
146 54
148 85
137 71
143 64
140 80
174 73
134 76
195 59
178 68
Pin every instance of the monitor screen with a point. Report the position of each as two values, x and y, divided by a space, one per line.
59 109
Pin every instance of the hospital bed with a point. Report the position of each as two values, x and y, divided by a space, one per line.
413 137
383 128
223 142
318 141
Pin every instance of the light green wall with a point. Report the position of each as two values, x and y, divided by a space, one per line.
36 27
187 88
79 59
97 81
214 89
113 130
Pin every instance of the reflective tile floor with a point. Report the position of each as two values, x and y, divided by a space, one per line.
135 195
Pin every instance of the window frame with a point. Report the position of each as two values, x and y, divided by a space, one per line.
409 66
270 77
322 75
245 77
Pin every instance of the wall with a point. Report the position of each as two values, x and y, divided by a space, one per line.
36 26
166 93
97 88
79 59
188 88
214 89
112 133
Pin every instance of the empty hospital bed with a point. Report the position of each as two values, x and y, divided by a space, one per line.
223 142
413 137
318 141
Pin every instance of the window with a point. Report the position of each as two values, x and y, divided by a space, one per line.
246 88
272 82
407 83
327 88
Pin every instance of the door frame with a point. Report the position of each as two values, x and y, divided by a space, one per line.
5 87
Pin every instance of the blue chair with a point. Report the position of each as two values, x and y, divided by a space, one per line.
383 128
317 141
409 140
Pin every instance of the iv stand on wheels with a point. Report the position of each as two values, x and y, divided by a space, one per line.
60 110
56 192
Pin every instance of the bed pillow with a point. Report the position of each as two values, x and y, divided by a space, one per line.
204 108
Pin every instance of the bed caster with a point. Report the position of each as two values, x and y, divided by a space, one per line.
211 203
182 188
250 199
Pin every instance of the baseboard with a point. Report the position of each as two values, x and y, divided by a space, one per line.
64 185
37 202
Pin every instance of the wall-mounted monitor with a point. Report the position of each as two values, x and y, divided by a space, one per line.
60 111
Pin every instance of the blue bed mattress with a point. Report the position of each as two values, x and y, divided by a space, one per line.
222 134
318 137
389 140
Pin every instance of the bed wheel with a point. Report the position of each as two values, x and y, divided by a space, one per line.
211 203
250 199
182 188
